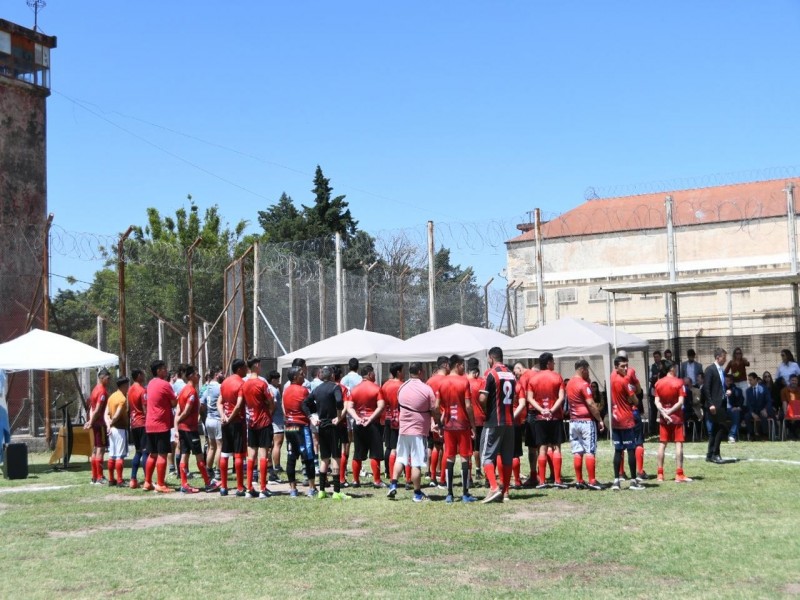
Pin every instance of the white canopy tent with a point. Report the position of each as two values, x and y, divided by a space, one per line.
366 346
466 340
40 350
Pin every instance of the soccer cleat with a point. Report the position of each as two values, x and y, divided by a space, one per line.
615 486
223 491
441 486
148 487
339 496
241 493
164 489
356 484
529 483
311 493
560 485
408 487
251 493
542 486
102 481
635 485
292 493
660 478
212 486
273 477
322 495
468 498
682 479
517 485
187 489
506 498
449 499
112 483
122 483
594 485
493 496
638 480
344 484
264 494
379 485
642 476
420 497
134 484
622 477
580 485
392 491
433 484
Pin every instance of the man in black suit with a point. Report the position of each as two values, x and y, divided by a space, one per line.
715 403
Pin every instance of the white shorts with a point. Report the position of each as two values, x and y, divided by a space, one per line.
117 443
583 437
213 428
414 446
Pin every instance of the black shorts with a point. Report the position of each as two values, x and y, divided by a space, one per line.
299 442
139 439
549 433
343 436
329 442
368 440
232 438
190 442
519 435
260 438
476 443
159 443
638 433
530 434
390 436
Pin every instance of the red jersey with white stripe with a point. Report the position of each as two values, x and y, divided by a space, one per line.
293 397
391 412
578 392
453 392
229 393
257 398
500 388
475 387
546 386
364 397
136 405
670 390
621 409
188 397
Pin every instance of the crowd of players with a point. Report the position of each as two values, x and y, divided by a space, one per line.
408 425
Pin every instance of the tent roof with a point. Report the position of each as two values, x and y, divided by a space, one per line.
572 337
40 350
466 340
364 345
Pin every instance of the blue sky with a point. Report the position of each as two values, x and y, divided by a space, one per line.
456 112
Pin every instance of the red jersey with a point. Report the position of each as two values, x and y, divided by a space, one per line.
293 397
345 398
522 393
621 409
500 388
389 394
229 393
257 398
546 386
364 397
632 378
670 390
475 387
97 401
578 392
453 392
188 398
160 400
136 405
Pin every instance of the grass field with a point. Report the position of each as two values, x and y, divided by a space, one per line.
733 533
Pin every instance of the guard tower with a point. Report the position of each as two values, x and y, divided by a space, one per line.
24 88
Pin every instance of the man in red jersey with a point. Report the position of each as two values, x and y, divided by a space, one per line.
435 439
670 395
260 406
497 399
96 423
584 419
300 443
365 406
234 430
523 375
635 387
476 383
528 430
391 414
187 418
546 396
454 402
622 421
136 409
158 423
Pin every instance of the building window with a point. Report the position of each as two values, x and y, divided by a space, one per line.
597 294
532 298
567 295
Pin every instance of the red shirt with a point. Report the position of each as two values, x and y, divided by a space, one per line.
345 398
434 381
546 386
499 387
364 397
188 397
578 392
293 397
453 392
669 390
229 393
136 405
97 402
160 399
475 387
621 410
522 393
257 399
389 394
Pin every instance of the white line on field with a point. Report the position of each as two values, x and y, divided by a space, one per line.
34 488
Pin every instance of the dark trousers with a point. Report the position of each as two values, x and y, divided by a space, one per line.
716 433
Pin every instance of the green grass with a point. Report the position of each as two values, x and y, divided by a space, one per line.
732 533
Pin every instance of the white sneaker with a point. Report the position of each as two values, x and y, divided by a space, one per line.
615 486
731 440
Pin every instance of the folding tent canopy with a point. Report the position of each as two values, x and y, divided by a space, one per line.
40 350
366 346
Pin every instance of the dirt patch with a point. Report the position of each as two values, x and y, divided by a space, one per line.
188 518
792 589
353 533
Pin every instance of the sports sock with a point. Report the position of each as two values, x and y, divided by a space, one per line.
93 463
591 465
515 467
577 462
376 470
343 467
357 471
632 463
617 462
161 470
119 464
111 463
557 466
506 478
542 468
448 474
639 459
201 466
443 470
336 485
251 467
408 473
434 462
184 473
262 473
621 470
465 471
238 467
323 480
149 467
661 471
223 471
392 462
491 477
135 462
679 472
550 462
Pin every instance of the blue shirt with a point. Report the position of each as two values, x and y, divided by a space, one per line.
209 398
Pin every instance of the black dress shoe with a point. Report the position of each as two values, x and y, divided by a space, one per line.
708 459
718 460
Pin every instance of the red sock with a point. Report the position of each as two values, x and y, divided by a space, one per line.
119 464
161 470
515 467
149 467
342 467
557 466
550 461
661 471
577 462
184 474
262 473
392 462
251 467
201 466
590 467
356 470
376 470
639 460
93 462
679 472
542 468
443 470
111 462
489 472
223 471
408 473
434 462
238 467
506 478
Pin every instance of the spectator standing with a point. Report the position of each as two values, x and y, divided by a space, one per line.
787 368
690 367
737 367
